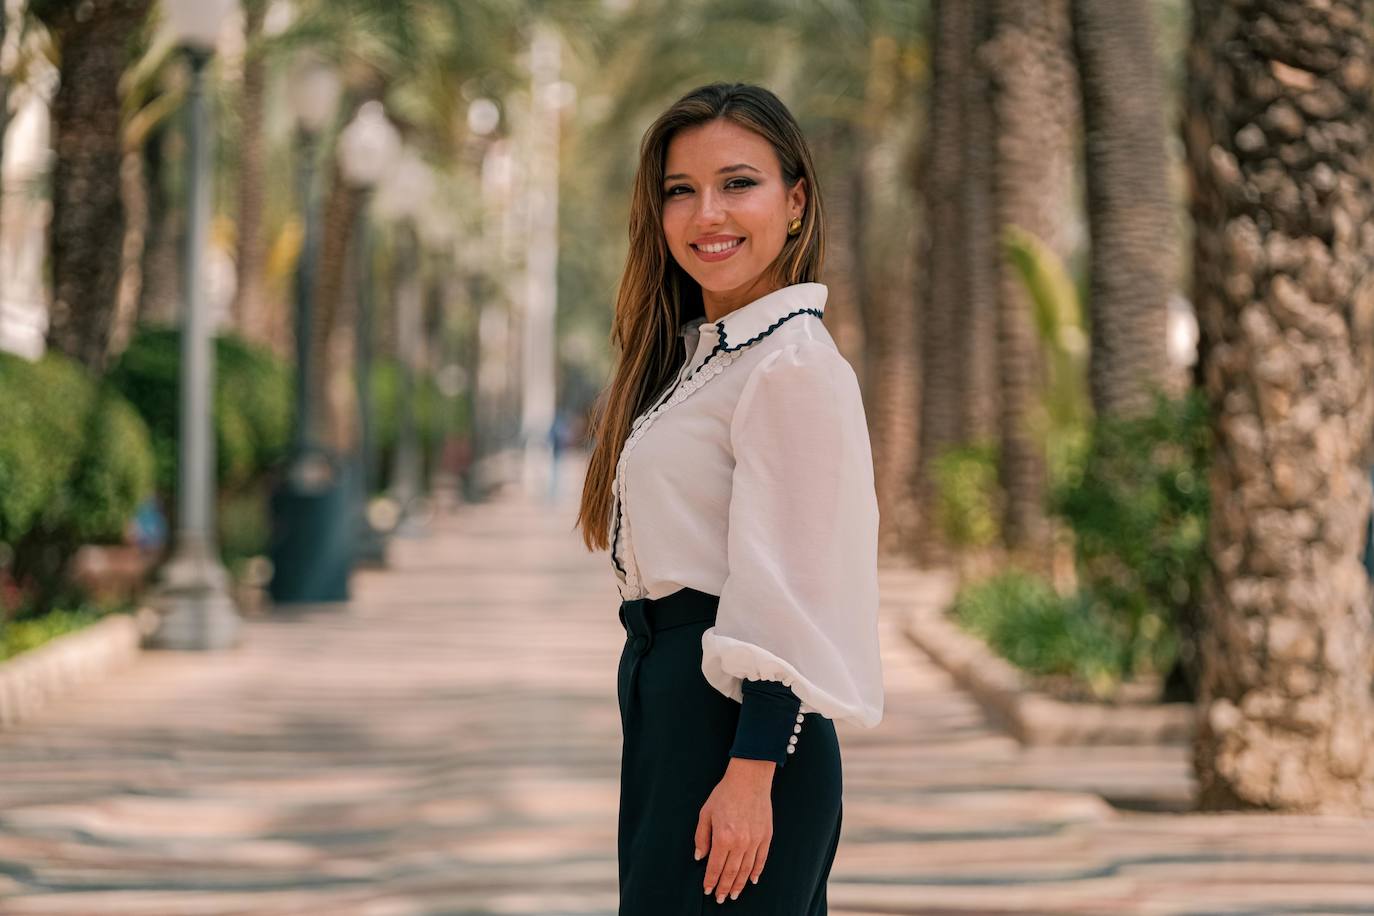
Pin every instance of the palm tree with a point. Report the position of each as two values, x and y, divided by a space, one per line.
250 299
1278 130
1033 103
941 179
1129 211
87 210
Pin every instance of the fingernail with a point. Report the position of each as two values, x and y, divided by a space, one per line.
720 898
697 855
735 895
755 880
707 892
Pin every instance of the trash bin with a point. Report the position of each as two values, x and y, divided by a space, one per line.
312 538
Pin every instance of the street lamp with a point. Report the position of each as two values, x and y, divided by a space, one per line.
192 592
309 552
367 147
402 197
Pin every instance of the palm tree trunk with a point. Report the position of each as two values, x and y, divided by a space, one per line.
1278 131
1129 211
251 302
978 317
88 212
838 148
336 232
1034 113
940 181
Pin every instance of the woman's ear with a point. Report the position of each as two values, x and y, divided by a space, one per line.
796 197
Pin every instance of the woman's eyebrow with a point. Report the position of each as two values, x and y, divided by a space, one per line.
738 167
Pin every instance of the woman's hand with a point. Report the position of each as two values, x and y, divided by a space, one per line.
736 826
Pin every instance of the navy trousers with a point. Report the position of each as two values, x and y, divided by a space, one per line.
678 731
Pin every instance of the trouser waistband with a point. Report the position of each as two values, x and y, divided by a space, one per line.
642 617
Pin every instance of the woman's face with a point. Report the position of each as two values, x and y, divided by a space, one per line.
723 185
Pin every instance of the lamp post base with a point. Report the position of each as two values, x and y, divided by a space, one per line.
192 598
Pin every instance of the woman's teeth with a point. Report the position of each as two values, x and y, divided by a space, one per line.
717 247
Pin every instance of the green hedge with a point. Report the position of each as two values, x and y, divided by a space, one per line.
75 462
436 417
253 406
1138 505
1025 621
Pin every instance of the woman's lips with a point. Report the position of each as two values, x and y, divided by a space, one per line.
719 255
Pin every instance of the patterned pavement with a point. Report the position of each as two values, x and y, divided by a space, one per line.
448 743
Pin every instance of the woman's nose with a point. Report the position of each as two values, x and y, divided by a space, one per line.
709 209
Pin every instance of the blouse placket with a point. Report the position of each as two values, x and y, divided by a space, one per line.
712 366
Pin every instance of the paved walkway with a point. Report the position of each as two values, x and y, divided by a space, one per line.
449 744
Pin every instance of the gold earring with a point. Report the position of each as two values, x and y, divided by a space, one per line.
795 226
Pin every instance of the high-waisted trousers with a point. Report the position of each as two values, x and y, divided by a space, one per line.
678 731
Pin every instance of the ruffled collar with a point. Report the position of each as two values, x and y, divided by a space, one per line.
756 319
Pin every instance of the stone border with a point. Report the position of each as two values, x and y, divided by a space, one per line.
1032 716
62 664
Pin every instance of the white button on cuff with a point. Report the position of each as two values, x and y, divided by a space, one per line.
800 718
797 729
792 740
791 748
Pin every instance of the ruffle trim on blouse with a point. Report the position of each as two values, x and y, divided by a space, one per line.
722 655
709 369
723 345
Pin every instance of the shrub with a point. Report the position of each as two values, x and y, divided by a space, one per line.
435 417
1138 504
75 461
967 495
1026 622
253 407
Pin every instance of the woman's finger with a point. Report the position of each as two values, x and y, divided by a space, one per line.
746 865
702 839
761 858
727 876
720 851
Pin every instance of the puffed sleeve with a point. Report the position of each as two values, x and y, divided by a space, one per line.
799 605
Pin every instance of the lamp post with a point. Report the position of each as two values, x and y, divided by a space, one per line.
401 197
192 592
310 560
367 147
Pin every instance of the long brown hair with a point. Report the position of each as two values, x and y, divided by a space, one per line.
655 296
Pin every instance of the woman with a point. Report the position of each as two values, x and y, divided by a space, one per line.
732 482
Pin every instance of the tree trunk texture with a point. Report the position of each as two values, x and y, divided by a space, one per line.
88 212
977 318
158 295
873 327
1278 135
252 308
838 148
940 180
1034 110
894 407
1129 211
134 184
336 231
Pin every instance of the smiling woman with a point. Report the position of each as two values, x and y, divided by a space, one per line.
733 213
732 482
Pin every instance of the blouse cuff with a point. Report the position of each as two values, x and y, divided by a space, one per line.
769 722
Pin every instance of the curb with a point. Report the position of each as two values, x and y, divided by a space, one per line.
1031 716
55 669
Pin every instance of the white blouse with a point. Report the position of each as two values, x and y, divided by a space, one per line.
751 478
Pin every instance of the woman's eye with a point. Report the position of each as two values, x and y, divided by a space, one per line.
746 182
736 184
